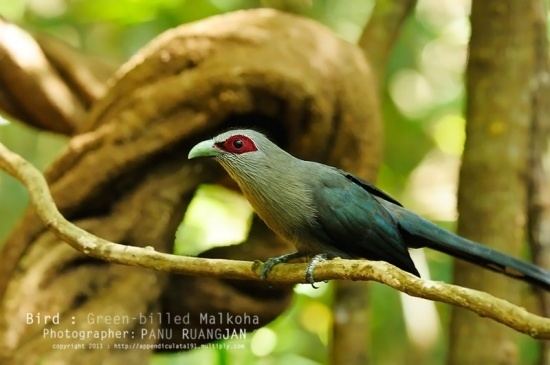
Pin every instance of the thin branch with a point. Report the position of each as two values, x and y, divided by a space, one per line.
481 303
382 30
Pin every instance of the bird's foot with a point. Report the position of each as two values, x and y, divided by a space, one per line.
311 267
270 263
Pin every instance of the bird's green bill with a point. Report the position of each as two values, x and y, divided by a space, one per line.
204 149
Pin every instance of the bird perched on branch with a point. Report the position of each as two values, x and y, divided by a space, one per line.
326 212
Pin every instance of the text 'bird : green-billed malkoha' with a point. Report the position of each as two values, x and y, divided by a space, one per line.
326 212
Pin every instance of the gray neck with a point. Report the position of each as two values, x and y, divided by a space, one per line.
277 189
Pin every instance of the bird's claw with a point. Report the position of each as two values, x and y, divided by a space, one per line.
271 262
311 268
268 266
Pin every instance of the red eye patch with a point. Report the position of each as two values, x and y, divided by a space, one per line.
237 144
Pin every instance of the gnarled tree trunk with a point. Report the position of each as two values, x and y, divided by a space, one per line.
125 177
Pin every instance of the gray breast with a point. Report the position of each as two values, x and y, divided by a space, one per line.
280 199
287 212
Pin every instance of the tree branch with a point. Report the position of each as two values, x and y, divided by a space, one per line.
382 30
481 303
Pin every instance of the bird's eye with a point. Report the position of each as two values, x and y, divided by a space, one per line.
238 143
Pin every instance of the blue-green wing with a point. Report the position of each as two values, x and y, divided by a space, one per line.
353 221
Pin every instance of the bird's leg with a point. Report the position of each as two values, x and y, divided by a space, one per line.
271 262
311 267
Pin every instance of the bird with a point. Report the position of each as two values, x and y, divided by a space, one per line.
325 212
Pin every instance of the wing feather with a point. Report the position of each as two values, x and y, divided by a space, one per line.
353 221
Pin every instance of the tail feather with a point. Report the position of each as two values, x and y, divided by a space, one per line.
419 232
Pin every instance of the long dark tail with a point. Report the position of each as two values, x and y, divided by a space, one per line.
419 232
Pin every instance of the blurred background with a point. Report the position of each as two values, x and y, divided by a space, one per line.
422 104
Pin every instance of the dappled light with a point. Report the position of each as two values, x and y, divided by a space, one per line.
432 186
216 217
421 317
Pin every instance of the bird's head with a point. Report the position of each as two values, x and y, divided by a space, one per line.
270 178
239 151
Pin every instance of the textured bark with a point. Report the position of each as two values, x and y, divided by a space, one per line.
492 193
84 75
539 167
126 177
63 83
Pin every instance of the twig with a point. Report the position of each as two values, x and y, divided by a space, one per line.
382 30
481 303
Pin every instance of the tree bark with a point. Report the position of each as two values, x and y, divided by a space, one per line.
493 191
126 178
539 168
46 83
